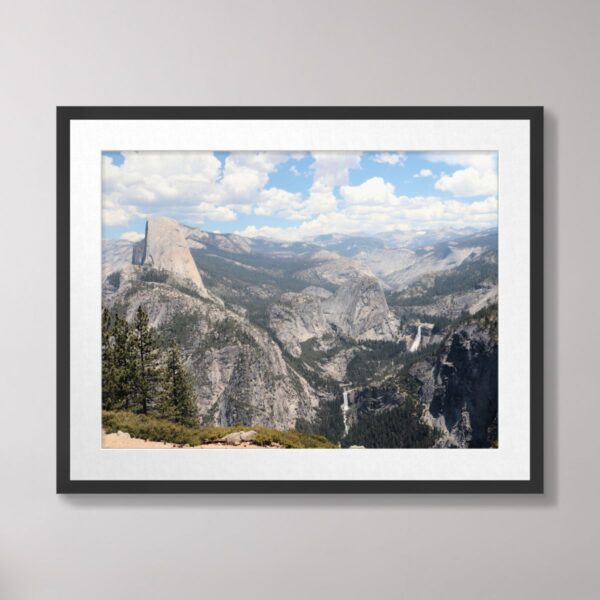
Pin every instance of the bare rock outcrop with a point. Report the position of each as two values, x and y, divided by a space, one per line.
359 310
460 384
238 437
298 317
165 248
240 375
116 255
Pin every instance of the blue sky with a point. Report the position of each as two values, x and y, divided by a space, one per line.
296 195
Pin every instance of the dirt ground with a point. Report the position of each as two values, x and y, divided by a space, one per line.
122 440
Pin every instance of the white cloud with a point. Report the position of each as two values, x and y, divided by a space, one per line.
171 182
374 206
321 199
484 161
246 173
207 210
363 215
331 168
275 201
274 233
115 212
374 191
193 187
478 178
189 186
424 173
390 158
132 236
468 182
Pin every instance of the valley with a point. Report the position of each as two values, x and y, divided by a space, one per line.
383 340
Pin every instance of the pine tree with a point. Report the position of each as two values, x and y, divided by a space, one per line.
121 379
107 362
147 372
177 402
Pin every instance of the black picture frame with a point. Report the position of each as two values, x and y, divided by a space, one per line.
534 485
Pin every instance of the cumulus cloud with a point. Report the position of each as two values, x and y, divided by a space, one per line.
132 236
424 173
193 187
478 178
375 203
484 161
207 210
374 206
275 201
116 215
174 182
246 173
190 186
468 182
374 191
274 233
330 170
391 158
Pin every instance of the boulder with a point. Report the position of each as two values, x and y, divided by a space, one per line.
237 437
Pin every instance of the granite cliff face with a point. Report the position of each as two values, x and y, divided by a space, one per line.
116 255
330 268
459 383
275 333
463 400
298 317
164 247
239 372
456 383
359 310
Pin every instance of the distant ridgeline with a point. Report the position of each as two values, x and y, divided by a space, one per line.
271 332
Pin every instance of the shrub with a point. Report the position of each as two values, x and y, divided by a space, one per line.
154 275
161 430
114 279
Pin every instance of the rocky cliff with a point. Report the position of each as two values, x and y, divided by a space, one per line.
116 255
164 247
460 383
270 329
359 310
239 372
455 383
298 317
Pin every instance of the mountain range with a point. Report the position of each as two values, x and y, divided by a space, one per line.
331 335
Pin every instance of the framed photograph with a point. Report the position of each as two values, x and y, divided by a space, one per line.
302 300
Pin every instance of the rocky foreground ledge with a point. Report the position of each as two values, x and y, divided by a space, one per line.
123 429
237 439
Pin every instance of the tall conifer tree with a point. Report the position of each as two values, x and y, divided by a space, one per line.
147 362
177 403
121 379
107 361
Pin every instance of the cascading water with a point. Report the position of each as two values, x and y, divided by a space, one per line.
345 409
417 342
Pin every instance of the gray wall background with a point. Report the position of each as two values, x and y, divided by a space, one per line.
416 52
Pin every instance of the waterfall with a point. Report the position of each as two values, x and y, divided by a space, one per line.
415 345
345 409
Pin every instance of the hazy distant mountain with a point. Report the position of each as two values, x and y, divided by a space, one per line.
271 329
419 238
